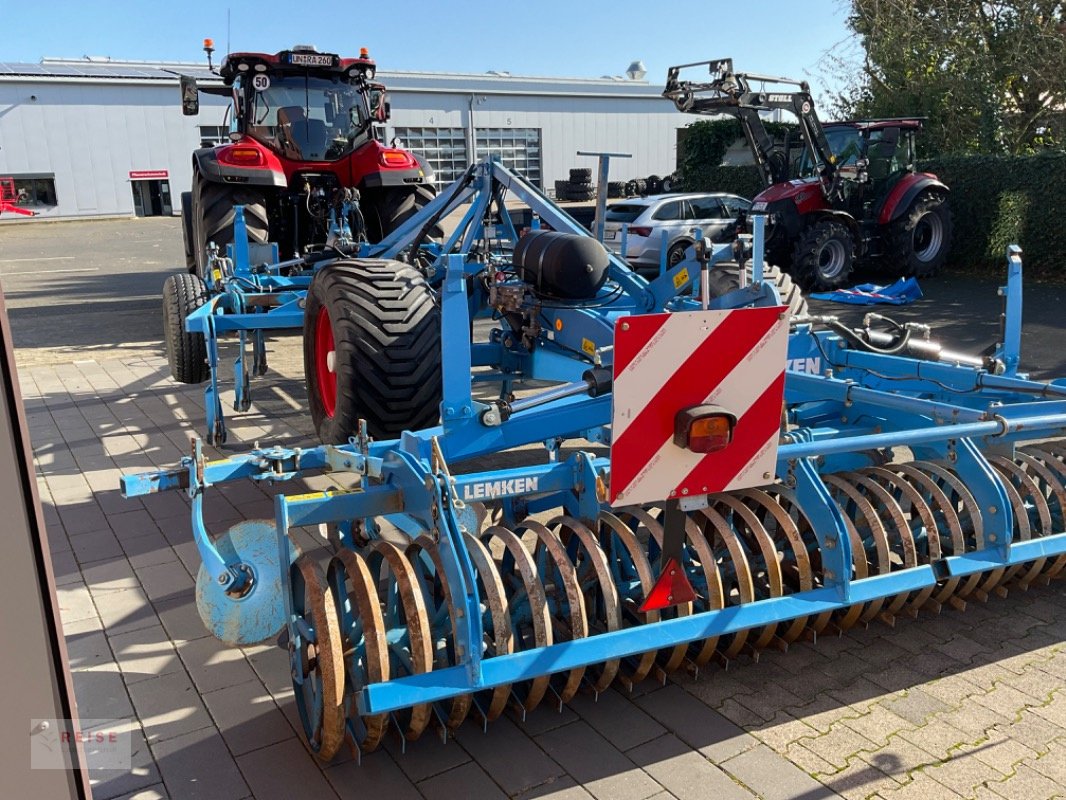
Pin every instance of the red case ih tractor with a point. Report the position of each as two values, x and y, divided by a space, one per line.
303 133
854 197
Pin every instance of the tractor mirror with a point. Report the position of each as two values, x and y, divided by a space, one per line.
190 96
379 104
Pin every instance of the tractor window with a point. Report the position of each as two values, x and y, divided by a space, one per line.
845 144
309 118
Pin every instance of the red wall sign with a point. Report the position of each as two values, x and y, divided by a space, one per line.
142 174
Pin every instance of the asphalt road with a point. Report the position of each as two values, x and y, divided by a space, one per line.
91 290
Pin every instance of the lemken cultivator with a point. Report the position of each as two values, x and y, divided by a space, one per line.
743 477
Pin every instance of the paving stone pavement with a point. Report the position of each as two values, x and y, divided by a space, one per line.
961 705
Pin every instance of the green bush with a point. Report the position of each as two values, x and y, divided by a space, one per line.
995 201
1001 200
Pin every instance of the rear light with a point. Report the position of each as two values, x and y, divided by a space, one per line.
397 158
703 429
244 156
639 230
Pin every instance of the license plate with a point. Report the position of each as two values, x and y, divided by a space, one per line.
310 60
760 206
610 235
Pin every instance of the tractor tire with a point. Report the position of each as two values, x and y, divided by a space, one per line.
642 187
670 184
580 195
631 188
616 189
724 278
581 175
372 350
186 232
213 215
917 243
560 189
823 256
387 209
186 352
655 184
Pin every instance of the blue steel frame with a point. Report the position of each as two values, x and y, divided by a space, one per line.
856 402
252 300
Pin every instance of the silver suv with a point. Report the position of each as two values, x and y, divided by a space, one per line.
676 215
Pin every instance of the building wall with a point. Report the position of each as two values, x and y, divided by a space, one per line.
644 128
90 134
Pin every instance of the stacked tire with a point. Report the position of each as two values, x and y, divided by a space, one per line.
616 189
579 187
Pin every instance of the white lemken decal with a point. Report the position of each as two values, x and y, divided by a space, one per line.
489 489
812 366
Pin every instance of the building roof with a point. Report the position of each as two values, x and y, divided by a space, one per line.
100 70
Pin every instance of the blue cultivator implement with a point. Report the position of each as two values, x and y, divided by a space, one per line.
721 476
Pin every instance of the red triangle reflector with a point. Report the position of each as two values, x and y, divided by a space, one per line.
671 589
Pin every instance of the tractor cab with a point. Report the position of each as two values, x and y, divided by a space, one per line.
870 157
304 105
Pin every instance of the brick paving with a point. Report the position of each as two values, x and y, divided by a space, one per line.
962 705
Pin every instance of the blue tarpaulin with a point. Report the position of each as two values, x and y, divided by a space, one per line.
900 293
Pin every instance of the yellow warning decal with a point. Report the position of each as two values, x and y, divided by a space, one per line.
681 278
588 346
309 496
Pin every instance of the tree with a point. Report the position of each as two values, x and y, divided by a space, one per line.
990 76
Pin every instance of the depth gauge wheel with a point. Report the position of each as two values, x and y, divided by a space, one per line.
724 278
372 349
186 352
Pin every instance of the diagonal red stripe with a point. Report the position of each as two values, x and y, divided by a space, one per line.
753 430
635 338
692 381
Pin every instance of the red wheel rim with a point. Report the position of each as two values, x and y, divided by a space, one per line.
325 366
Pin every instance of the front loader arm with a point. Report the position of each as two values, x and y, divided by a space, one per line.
729 92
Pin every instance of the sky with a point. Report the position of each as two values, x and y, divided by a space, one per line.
546 37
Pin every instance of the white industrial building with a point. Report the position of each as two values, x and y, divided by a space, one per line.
97 138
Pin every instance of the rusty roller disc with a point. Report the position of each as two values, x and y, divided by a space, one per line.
629 563
318 666
805 546
920 519
767 581
739 587
871 535
795 561
902 547
363 636
948 528
530 619
403 609
499 639
671 658
964 500
1031 515
1050 476
424 556
603 609
565 600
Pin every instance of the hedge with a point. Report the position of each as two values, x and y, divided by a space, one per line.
995 201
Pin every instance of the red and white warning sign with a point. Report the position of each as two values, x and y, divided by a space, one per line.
665 363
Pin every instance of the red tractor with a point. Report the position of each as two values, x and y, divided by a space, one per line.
303 136
852 197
